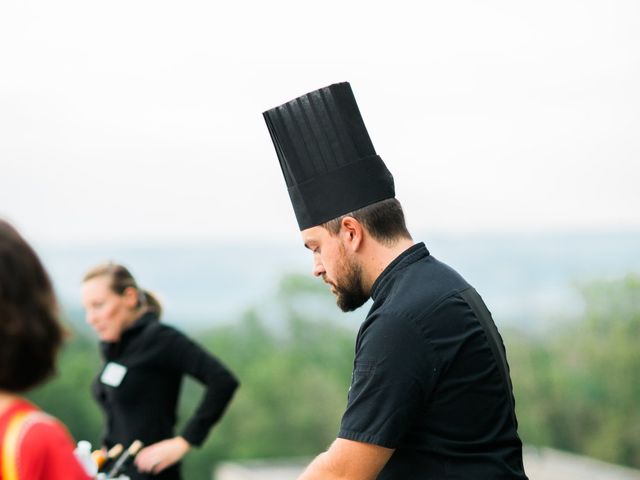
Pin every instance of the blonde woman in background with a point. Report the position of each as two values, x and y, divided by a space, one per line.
145 362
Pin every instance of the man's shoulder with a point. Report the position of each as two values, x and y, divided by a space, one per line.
421 287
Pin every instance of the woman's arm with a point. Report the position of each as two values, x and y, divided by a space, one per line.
218 381
161 455
184 355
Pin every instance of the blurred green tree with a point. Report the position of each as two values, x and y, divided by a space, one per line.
67 396
579 387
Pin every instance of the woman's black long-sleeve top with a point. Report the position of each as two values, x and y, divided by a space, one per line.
142 406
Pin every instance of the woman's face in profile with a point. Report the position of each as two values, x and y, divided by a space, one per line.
107 312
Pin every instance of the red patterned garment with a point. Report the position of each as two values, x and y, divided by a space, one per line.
35 446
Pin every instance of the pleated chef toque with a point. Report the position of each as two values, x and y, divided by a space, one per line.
327 158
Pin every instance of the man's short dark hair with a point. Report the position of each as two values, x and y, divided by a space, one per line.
383 220
30 333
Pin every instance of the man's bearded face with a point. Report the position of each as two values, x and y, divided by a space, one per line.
348 286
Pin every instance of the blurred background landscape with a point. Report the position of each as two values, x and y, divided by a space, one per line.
568 307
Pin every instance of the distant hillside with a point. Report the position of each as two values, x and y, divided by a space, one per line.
522 278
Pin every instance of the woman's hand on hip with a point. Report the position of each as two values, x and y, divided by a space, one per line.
158 456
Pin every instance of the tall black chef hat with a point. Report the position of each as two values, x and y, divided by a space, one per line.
326 155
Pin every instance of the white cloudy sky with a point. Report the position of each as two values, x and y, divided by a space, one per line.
140 121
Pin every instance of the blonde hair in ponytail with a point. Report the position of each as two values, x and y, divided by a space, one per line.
121 279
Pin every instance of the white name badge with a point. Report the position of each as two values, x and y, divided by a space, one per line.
113 374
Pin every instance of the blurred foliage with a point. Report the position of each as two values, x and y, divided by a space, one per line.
577 388
67 395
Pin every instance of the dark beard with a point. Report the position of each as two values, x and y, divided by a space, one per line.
350 292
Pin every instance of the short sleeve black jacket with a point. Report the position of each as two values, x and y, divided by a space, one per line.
430 378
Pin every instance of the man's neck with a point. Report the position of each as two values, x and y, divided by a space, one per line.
378 256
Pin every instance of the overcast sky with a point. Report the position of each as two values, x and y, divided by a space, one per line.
140 121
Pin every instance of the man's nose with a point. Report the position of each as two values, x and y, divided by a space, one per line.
318 268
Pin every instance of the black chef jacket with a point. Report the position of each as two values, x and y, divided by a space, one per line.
430 379
143 405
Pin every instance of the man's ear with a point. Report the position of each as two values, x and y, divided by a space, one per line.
352 233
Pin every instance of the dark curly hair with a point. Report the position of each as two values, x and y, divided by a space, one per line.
30 332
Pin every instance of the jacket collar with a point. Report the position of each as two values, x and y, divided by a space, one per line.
410 255
114 348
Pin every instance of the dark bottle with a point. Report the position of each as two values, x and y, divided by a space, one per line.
125 459
110 458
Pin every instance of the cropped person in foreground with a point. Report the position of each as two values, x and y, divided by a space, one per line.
33 445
